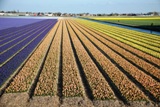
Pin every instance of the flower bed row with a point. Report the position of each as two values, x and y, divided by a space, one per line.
97 83
47 83
71 80
16 61
145 44
139 62
23 80
126 87
125 40
7 54
148 82
13 24
132 50
138 36
7 38
18 32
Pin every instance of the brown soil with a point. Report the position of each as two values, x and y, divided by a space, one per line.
22 100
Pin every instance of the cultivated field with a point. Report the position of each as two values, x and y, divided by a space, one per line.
135 21
79 63
151 23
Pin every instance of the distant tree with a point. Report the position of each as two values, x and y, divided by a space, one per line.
149 13
155 14
115 14
38 14
131 14
49 12
1 11
87 14
42 14
104 14
14 11
65 14
99 14
59 14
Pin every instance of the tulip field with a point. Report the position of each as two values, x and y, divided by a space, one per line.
133 21
150 23
76 62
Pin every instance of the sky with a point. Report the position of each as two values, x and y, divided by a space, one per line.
81 6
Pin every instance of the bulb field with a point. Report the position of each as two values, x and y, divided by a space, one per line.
76 62
150 23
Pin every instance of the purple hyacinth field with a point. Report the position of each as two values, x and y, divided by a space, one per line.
18 39
16 22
